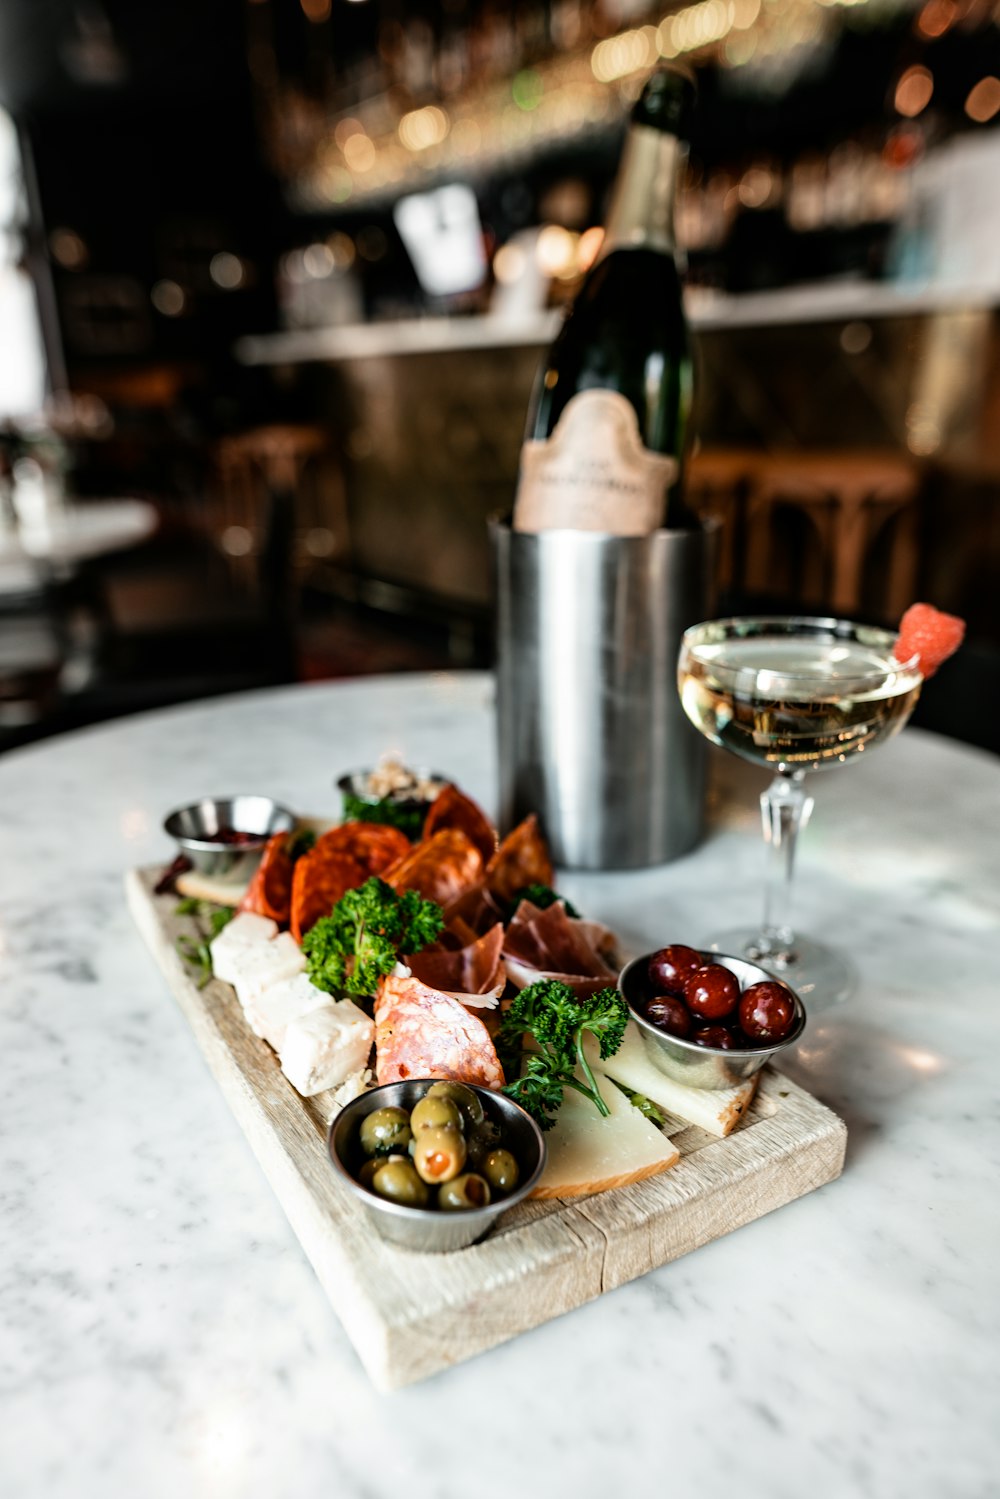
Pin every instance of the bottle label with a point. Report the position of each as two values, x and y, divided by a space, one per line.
593 473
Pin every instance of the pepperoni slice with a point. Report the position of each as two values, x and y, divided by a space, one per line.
373 845
522 859
320 879
440 868
451 808
269 893
420 1032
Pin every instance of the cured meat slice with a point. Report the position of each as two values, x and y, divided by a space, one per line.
269 893
375 846
439 868
598 936
551 942
476 908
471 970
452 937
522 859
320 879
451 808
583 985
420 1032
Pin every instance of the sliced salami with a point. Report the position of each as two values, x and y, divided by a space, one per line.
453 809
270 891
522 859
439 868
375 846
420 1032
320 879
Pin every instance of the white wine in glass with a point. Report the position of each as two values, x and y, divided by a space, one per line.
796 695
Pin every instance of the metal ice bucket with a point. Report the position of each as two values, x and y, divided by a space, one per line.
591 732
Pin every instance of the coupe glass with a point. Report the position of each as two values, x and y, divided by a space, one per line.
795 695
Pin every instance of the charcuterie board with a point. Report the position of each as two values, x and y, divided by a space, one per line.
411 1315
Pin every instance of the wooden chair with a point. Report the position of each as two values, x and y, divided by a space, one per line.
846 498
281 503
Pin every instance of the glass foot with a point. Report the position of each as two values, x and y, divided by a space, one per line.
820 976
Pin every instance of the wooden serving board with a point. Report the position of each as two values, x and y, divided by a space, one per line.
409 1315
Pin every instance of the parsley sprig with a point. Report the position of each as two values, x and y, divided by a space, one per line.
541 896
556 1022
408 816
196 950
361 940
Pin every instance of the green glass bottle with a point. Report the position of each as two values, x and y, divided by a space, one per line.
610 413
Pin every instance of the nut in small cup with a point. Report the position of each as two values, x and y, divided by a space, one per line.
430 1230
704 1066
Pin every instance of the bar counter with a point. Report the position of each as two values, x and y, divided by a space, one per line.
162 1331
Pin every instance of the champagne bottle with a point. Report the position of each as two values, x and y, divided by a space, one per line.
609 415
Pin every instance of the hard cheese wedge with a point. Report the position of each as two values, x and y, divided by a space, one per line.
197 886
718 1111
588 1153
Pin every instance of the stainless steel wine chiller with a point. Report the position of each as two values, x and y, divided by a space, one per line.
591 732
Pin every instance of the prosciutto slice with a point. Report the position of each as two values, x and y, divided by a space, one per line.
470 970
582 985
420 1032
475 907
551 945
552 942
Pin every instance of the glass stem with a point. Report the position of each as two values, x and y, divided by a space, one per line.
785 810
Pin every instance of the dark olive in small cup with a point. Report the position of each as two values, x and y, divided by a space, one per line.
385 1130
669 1014
480 1141
467 1101
368 1170
435 1112
465 1192
712 992
501 1171
397 1181
767 1011
439 1154
669 967
716 1036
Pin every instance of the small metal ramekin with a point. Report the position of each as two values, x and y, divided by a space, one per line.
352 784
426 1229
704 1066
194 830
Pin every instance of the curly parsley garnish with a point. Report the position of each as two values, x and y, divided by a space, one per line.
361 940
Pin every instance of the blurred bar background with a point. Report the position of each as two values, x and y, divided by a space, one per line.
275 276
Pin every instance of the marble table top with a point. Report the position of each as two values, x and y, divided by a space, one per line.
162 1333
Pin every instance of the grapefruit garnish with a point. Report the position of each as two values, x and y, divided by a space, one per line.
929 636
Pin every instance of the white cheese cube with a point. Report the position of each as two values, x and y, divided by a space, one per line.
245 930
255 968
323 1048
269 1012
